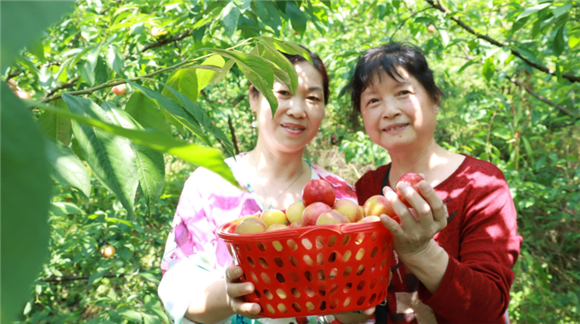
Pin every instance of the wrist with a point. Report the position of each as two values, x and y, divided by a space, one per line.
423 255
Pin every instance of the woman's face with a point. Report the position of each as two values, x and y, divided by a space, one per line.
398 115
298 115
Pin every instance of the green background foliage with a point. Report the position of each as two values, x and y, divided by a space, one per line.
509 71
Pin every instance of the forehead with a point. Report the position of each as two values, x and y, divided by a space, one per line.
382 79
308 75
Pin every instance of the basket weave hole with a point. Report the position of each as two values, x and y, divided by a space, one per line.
294 277
347 272
265 278
296 307
270 309
280 278
310 306
281 293
322 305
333 273
278 262
322 290
277 245
374 251
263 263
309 291
360 300
292 245
359 238
308 260
373 283
346 302
268 294
360 254
319 242
321 275
261 247
346 256
334 304
332 257
254 277
333 290
257 292
345 239
372 299
360 270
282 308
331 241
347 288
382 295
361 285
374 267
383 264
308 276
247 245
295 292
306 243
384 248
320 258
374 236
293 260
251 261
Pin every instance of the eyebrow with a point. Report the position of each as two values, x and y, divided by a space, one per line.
315 88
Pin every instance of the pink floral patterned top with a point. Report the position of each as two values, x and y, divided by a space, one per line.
194 254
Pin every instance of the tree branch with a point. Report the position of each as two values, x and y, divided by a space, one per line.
19 72
542 98
542 68
404 21
167 40
64 86
75 278
233 132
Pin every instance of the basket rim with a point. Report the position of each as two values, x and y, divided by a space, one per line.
297 233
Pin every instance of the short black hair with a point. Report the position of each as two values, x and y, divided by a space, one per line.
317 62
386 58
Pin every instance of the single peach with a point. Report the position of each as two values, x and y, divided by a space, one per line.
312 211
251 225
378 205
349 209
294 212
274 216
331 217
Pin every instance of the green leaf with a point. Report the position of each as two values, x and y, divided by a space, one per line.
222 73
56 126
99 273
175 111
466 65
199 114
147 113
526 54
560 10
185 81
291 48
150 164
257 70
269 15
529 150
488 69
559 43
29 19
111 158
37 50
204 76
26 192
131 315
574 40
274 56
149 277
444 37
208 158
297 17
115 61
63 209
68 168
532 10
230 16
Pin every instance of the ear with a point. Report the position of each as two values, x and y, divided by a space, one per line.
436 109
253 99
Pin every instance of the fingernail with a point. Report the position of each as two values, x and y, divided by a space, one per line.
391 195
403 185
387 189
424 186
249 288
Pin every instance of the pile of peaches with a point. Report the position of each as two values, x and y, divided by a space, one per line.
320 207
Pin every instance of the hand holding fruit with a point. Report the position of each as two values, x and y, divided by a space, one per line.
236 291
414 235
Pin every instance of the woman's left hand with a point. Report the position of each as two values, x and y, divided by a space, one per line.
414 234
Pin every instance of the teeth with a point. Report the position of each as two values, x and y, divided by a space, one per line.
394 128
293 128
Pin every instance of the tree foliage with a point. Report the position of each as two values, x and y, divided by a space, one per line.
509 71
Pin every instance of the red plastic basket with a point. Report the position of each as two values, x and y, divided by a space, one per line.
313 270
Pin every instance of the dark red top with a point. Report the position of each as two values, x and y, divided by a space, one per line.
482 244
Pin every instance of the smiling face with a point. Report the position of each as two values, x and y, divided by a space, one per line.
398 114
298 115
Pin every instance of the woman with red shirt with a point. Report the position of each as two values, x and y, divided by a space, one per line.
455 248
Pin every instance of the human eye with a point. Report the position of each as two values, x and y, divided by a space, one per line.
284 93
314 98
372 102
404 93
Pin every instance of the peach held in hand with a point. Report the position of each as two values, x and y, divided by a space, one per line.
378 205
413 180
318 191
274 216
251 225
349 209
312 211
294 212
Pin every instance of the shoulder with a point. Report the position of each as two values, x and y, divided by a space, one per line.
208 181
342 189
480 173
370 183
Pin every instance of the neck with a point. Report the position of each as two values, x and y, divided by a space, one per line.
424 160
281 166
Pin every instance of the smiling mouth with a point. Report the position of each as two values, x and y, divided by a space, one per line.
395 127
295 128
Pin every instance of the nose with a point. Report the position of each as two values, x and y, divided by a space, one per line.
297 108
390 109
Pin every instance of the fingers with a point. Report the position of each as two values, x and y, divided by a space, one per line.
369 311
437 206
407 219
234 273
235 290
245 309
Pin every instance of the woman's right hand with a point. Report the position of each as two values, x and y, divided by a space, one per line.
236 290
